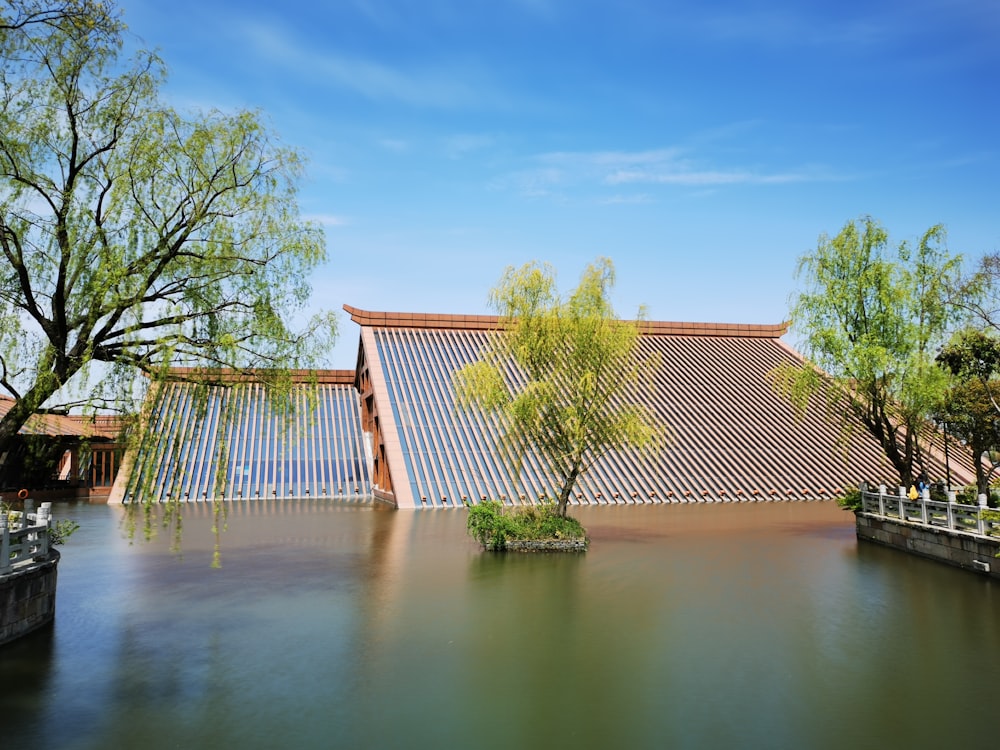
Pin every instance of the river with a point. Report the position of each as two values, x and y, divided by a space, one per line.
685 626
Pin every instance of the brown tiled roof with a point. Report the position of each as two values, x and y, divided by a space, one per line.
65 425
490 322
733 437
220 376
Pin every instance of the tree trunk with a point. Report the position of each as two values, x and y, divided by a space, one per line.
567 488
982 478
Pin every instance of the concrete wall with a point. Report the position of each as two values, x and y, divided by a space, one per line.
952 547
28 598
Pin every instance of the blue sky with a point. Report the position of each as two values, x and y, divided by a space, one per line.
703 147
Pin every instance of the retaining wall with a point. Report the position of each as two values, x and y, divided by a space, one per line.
968 551
28 598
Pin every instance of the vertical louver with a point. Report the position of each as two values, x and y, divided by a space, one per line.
732 436
237 443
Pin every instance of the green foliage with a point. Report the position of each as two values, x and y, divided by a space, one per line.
870 319
972 354
992 517
560 373
851 499
135 237
969 495
493 525
938 492
969 407
62 530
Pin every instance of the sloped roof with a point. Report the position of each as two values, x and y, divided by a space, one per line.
733 436
65 425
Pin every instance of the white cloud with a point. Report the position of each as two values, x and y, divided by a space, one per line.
450 86
394 144
634 199
327 220
457 146
565 170
683 175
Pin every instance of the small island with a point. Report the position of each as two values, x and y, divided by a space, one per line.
529 528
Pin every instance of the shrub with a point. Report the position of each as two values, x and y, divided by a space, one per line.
62 530
992 517
493 525
968 495
851 499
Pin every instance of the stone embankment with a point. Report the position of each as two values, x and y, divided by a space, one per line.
28 573
961 535
548 545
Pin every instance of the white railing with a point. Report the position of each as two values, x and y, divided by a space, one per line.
24 537
969 519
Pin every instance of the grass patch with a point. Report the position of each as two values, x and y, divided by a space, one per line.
494 525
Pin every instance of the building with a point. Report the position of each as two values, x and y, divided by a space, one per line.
390 429
62 456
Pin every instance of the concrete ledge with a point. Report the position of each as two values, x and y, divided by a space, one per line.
968 551
28 598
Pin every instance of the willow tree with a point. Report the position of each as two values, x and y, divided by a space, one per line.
134 237
871 318
971 406
20 13
559 372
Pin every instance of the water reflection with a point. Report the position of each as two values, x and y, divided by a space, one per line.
330 626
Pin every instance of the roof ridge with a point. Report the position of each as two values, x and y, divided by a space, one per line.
220 375
379 319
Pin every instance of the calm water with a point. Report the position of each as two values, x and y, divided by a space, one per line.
699 626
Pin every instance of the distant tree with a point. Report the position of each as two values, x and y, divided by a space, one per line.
559 372
871 319
978 295
970 406
134 237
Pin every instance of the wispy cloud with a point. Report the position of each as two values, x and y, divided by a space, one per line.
446 86
563 171
635 199
462 144
680 174
327 220
394 144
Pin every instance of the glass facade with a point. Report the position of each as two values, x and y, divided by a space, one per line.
237 443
